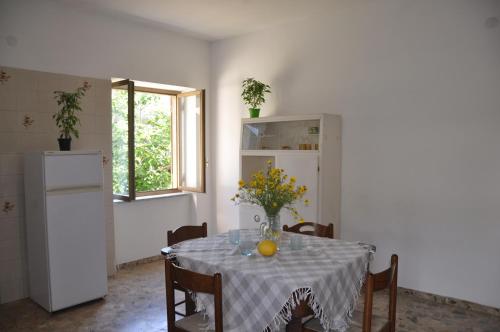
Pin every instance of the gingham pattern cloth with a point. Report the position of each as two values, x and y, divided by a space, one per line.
257 290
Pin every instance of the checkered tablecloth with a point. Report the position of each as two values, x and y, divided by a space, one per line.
259 293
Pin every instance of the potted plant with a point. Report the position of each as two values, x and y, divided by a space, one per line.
253 95
67 119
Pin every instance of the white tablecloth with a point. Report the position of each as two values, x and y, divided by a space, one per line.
259 293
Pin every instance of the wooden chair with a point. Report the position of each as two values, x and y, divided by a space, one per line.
319 230
186 233
195 282
365 321
182 234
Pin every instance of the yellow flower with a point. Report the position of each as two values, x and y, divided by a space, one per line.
292 179
301 220
269 162
241 183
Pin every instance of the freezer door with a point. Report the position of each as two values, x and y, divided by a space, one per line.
73 171
77 248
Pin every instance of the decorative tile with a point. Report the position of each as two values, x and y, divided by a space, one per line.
27 121
26 107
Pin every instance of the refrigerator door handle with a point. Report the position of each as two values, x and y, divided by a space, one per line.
71 190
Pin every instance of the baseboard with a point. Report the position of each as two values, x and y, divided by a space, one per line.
139 261
463 304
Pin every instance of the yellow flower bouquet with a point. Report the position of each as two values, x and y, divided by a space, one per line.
272 190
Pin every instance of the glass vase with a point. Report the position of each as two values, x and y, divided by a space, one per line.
273 229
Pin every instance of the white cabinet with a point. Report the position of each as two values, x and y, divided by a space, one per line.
305 146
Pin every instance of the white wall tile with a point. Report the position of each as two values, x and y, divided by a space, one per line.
11 164
11 185
13 290
10 142
26 100
9 122
7 98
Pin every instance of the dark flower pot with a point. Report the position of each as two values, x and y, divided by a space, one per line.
254 112
64 144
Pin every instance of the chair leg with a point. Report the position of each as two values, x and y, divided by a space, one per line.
190 305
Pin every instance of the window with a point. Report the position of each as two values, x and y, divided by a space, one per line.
158 140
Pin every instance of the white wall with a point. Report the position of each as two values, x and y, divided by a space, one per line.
55 38
146 219
418 86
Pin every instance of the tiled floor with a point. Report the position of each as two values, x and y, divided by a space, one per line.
136 302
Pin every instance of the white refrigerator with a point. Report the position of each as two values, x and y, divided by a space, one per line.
65 227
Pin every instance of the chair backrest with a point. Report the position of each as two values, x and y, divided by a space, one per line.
186 233
319 230
380 281
195 282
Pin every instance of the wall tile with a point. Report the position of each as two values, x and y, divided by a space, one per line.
7 98
11 164
26 100
18 206
34 122
13 269
13 290
21 79
88 123
30 93
103 123
9 228
10 142
46 102
10 249
9 122
37 142
11 185
49 82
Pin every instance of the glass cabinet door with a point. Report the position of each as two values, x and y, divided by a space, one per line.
281 135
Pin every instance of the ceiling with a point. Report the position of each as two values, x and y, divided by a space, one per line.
207 19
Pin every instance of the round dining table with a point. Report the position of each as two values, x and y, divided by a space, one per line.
322 278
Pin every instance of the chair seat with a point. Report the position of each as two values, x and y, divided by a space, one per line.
193 323
378 323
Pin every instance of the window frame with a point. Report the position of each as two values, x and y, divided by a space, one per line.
203 163
174 141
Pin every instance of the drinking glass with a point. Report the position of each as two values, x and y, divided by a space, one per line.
234 236
247 246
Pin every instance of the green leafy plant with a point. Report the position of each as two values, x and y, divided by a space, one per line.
153 154
254 91
67 119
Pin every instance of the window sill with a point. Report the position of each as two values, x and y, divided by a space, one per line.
151 197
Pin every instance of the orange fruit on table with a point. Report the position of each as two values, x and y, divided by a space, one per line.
267 248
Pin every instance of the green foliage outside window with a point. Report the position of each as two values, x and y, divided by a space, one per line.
153 152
